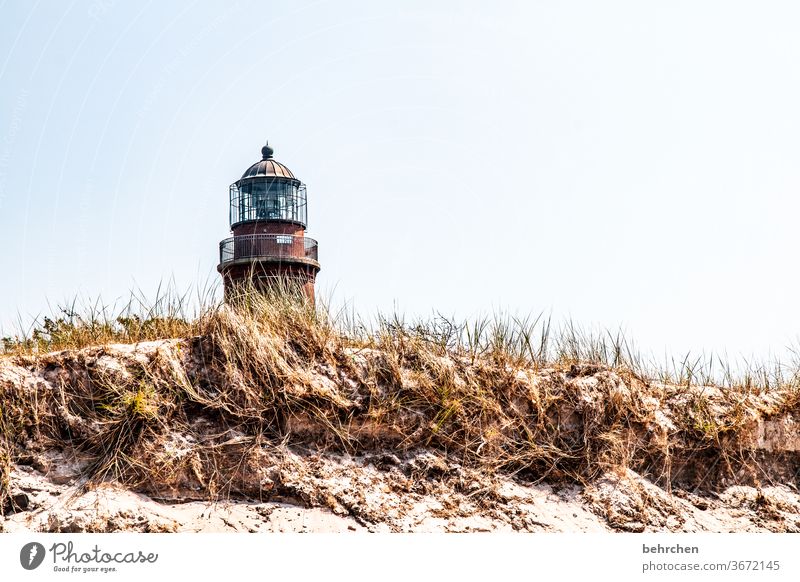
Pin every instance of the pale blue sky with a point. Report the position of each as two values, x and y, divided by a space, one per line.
627 164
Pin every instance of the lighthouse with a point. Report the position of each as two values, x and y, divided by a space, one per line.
268 219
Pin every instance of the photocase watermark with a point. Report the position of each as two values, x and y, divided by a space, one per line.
66 558
172 66
99 7
31 555
7 145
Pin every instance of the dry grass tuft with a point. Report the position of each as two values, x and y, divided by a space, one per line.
5 470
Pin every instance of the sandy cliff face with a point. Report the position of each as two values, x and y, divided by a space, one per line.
179 435
335 494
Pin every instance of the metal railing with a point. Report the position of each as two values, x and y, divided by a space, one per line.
267 246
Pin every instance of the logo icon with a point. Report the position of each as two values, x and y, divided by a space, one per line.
31 555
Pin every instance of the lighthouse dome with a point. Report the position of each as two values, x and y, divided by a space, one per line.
268 167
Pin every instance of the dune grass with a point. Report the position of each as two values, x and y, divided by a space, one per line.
505 394
522 342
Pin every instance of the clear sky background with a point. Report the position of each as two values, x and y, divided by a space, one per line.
622 163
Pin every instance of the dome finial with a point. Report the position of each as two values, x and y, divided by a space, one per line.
266 151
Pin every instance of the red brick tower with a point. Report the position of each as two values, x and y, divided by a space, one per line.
268 221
